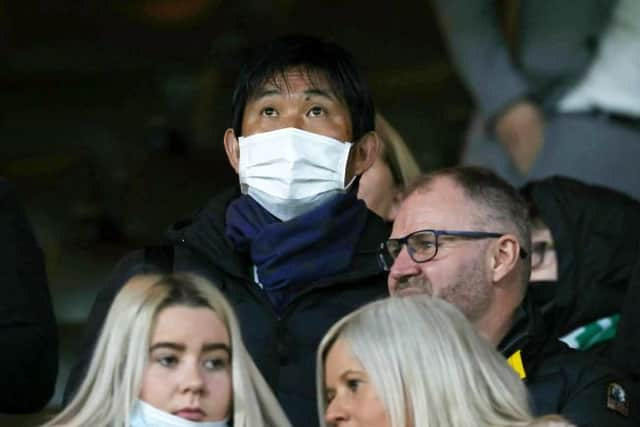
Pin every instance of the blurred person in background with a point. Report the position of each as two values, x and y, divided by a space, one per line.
586 267
28 335
395 166
417 361
556 85
585 242
171 354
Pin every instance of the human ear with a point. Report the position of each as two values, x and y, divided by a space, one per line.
232 148
364 153
505 256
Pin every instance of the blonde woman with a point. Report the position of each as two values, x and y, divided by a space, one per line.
171 354
381 185
417 362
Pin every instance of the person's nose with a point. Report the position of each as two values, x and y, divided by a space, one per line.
292 119
335 413
192 378
402 268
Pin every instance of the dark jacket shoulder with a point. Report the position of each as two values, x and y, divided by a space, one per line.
28 337
283 345
562 380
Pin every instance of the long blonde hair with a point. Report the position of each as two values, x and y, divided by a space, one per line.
395 151
108 392
429 365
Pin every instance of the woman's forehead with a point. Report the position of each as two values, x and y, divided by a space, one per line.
183 322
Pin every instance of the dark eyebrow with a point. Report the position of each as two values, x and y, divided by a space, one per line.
180 347
216 346
320 92
169 345
264 92
271 91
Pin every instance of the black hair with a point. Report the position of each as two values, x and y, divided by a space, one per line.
315 58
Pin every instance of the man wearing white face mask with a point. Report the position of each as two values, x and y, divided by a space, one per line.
290 171
292 247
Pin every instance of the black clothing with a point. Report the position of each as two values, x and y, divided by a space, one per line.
282 346
28 336
596 232
559 379
625 348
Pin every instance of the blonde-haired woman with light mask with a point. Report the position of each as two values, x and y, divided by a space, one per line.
417 362
170 354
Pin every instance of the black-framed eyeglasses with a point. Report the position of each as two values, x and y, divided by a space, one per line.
423 244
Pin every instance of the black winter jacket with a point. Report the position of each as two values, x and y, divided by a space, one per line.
597 237
283 347
562 380
596 232
597 240
28 335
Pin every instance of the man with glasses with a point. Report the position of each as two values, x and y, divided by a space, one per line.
462 234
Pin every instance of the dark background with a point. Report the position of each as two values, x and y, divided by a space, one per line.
113 111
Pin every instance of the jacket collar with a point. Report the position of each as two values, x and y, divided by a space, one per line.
527 334
204 233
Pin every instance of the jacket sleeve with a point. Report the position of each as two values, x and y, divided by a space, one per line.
480 53
129 266
28 335
587 401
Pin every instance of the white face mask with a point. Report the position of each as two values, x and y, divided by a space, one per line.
291 171
145 415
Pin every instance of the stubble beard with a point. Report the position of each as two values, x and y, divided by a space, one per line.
470 292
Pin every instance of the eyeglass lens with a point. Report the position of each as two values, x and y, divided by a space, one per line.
421 245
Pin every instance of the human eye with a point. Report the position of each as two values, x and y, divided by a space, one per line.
316 111
167 360
422 243
216 363
268 111
353 384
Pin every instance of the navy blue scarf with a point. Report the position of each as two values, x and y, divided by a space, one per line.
288 255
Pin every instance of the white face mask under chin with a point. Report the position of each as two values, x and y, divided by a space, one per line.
291 171
145 415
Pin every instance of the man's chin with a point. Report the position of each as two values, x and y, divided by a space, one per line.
405 292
